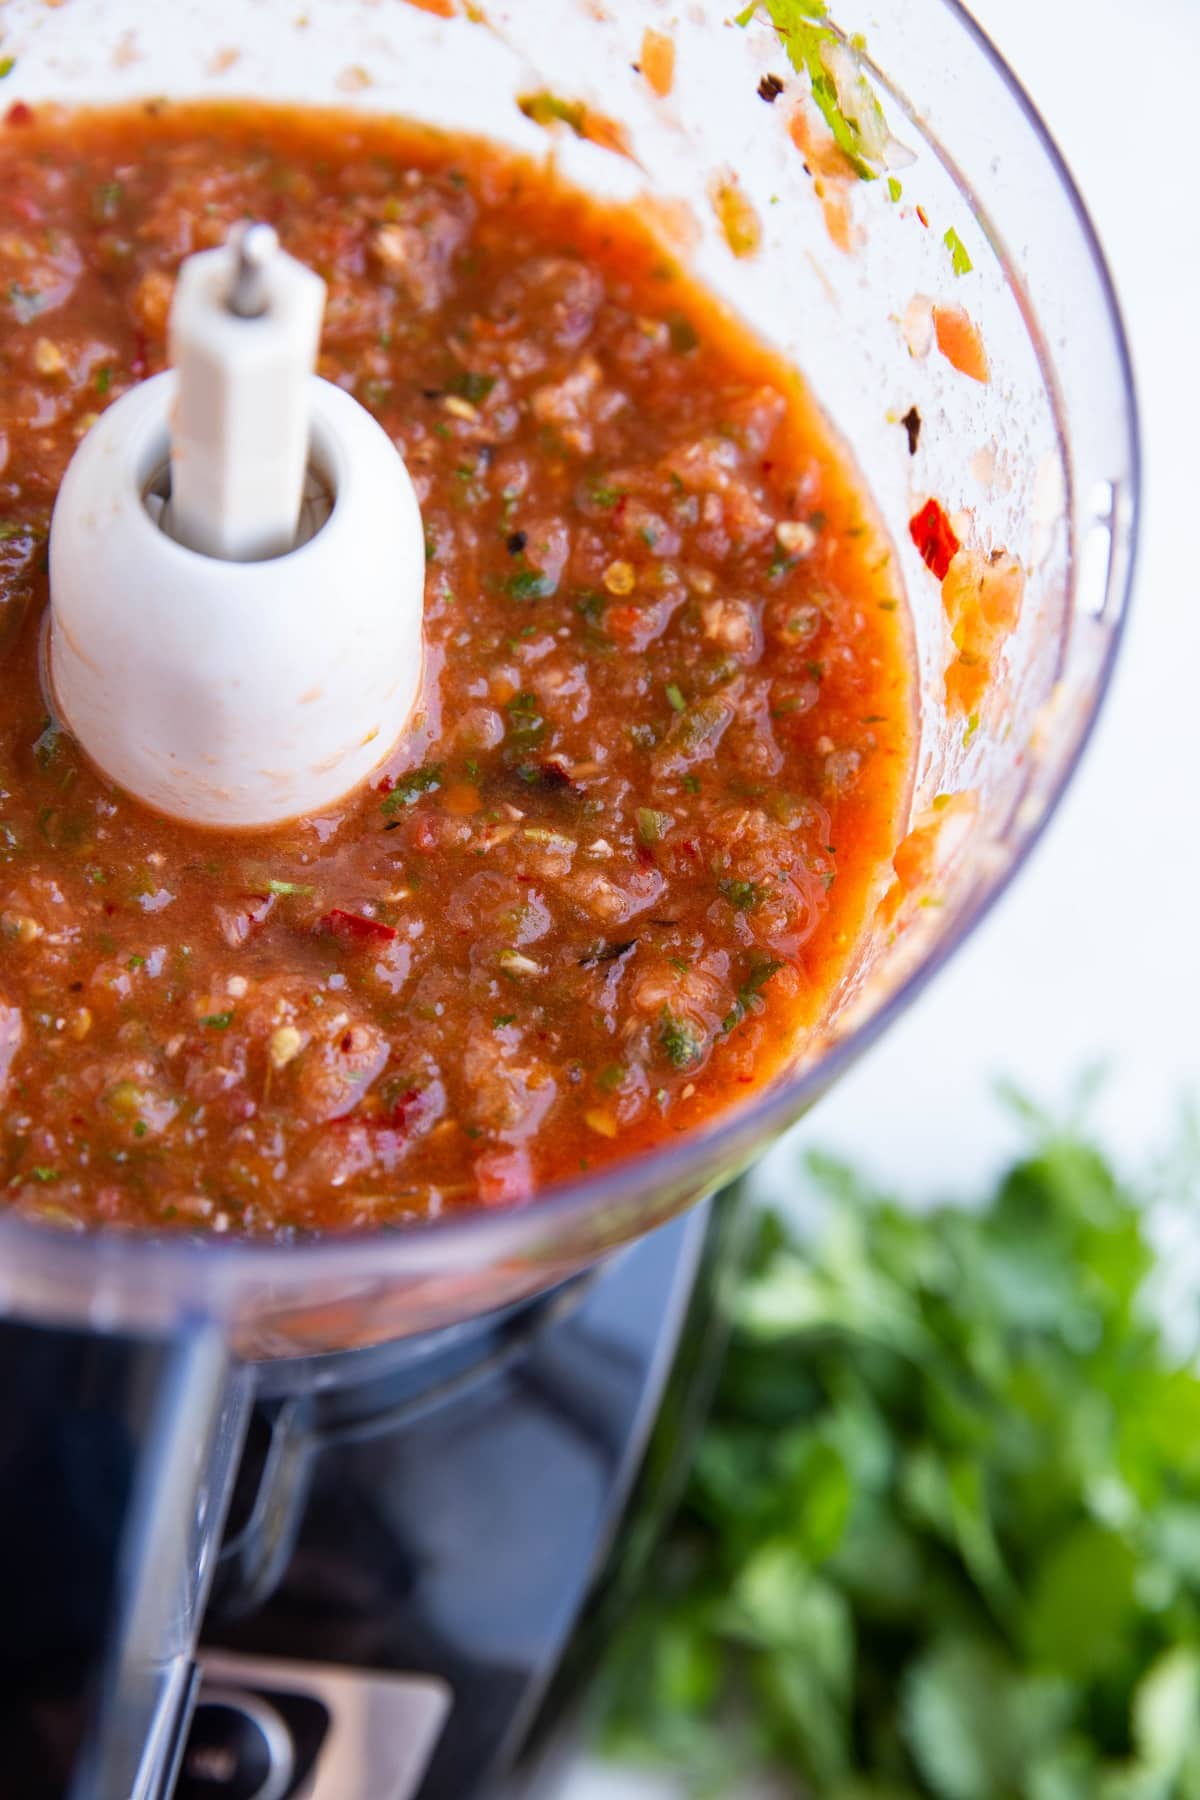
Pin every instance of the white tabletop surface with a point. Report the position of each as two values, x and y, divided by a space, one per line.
1095 953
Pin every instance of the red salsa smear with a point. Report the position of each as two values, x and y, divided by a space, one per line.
619 865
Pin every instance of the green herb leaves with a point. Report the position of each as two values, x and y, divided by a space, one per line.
409 788
843 94
682 1044
471 386
748 997
960 261
941 1539
526 726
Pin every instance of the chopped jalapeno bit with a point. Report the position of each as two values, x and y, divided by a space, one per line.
653 826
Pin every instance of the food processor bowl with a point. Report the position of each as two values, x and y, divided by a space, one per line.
971 208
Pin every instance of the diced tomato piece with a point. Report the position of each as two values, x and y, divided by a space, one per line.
658 61
959 341
353 928
934 537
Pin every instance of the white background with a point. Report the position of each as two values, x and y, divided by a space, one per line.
1094 954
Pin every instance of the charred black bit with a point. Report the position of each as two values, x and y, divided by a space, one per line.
516 542
554 776
912 424
603 953
432 393
769 89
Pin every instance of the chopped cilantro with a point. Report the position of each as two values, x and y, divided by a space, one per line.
529 584
959 259
610 1079
681 1043
894 188
602 495
39 1172
289 887
526 726
748 996
218 1021
503 1019
103 379
136 962
675 698
410 787
743 896
843 94
7 65
469 385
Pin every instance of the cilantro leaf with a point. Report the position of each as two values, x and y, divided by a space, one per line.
961 262
832 66
941 1534
409 788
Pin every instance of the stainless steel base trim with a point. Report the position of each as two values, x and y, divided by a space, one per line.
383 1728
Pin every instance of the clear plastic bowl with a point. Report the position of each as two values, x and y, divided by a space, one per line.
1044 458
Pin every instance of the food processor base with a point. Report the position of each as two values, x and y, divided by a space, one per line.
419 1561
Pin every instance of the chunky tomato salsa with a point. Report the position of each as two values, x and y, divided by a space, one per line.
621 862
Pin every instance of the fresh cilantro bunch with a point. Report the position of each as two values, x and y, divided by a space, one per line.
942 1534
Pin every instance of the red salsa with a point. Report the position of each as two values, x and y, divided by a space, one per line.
621 862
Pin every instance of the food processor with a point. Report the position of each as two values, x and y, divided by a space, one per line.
336 1518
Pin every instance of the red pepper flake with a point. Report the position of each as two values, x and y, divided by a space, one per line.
353 928
19 114
923 216
931 532
405 1109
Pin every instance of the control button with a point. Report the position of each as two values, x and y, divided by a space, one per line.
238 1748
